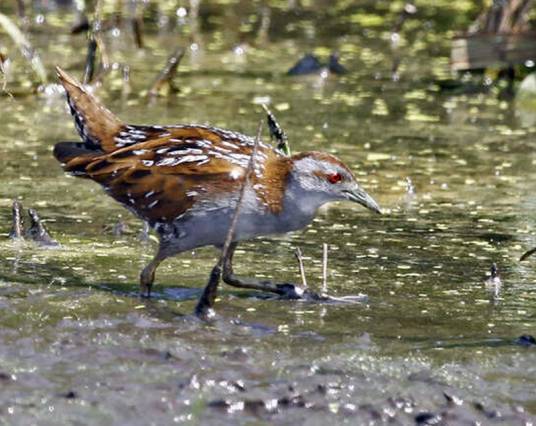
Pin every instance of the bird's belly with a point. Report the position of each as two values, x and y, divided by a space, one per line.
211 228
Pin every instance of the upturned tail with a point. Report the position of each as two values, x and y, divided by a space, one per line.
96 125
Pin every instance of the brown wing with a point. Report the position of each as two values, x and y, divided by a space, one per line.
162 178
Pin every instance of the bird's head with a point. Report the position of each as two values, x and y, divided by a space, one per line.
325 178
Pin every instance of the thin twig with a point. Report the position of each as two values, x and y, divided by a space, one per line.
408 10
136 22
204 308
17 230
298 255
89 69
264 27
21 10
137 30
195 30
38 232
126 88
96 31
3 59
277 133
167 73
324 269
527 254
96 43
249 173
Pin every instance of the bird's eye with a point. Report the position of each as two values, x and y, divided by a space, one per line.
334 178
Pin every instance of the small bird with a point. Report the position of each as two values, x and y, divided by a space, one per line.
185 181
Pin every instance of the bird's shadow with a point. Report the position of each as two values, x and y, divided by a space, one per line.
26 272
23 273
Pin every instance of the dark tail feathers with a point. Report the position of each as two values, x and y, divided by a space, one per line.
75 156
96 125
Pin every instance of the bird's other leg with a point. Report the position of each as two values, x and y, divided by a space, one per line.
147 274
286 290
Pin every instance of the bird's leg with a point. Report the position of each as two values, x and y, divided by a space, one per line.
286 290
147 274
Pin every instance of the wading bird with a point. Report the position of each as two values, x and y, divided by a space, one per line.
185 181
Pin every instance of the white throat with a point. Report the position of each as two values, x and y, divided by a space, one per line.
304 201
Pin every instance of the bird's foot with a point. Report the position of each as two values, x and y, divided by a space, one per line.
145 290
294 292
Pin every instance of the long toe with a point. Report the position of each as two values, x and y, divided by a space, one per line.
291 291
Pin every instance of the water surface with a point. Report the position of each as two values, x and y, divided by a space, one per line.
78 347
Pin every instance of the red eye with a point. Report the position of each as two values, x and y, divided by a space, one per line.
334 178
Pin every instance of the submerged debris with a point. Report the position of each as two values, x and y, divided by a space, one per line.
299 257
527 254
37 231
334 66
69 395
494 278
427 418
310 64
493 282
117 229
526 340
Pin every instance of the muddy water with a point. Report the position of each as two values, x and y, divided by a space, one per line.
431 341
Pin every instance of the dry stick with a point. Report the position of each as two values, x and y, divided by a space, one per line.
25 47
95 43
204 306
17 229
126 88
194 21
408 10
3 58
167 73
324 269
137 29
21 10
89 69
24 20
38 232
264 27
298 255
136 23
527 254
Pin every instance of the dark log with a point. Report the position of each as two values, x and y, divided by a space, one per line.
492 50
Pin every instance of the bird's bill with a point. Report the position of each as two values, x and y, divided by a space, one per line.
361 197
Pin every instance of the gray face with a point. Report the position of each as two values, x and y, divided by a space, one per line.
328 180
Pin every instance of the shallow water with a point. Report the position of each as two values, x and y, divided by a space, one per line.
78 347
